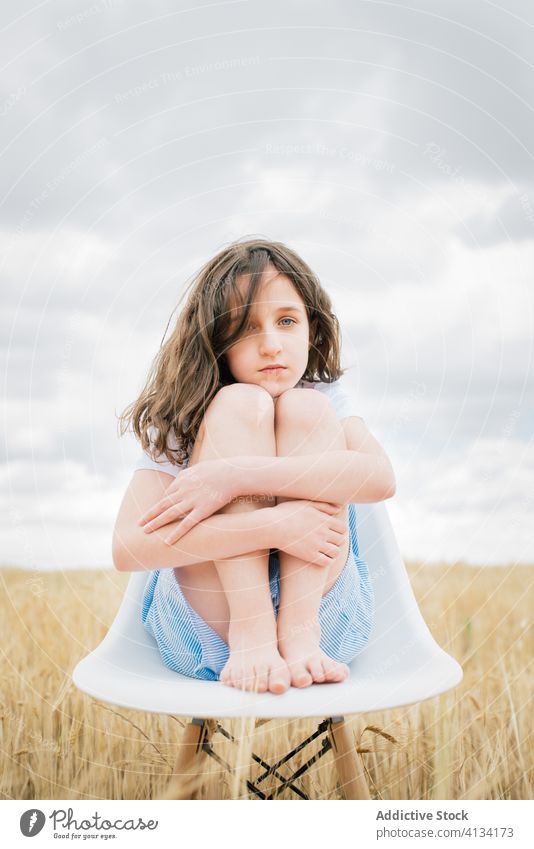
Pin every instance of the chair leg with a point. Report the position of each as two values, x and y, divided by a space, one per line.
190 756
195 745
348 762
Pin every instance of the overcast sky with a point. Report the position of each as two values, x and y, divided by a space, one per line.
390 143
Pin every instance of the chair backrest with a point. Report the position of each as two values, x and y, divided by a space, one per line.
400 638
397 612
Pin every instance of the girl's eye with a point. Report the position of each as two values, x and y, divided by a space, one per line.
292 320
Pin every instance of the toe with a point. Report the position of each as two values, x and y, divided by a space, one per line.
225 677
332 669
317 671
247 679
300 677
262 678
279 681
236 677
250 684
251 679
341 672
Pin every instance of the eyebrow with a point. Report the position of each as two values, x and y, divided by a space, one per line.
289 308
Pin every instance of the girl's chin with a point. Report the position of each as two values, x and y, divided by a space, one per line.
274 386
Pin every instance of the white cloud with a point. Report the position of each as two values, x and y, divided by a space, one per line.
476 507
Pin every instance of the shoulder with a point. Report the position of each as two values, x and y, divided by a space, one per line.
161 463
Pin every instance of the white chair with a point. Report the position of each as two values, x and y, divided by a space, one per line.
402 664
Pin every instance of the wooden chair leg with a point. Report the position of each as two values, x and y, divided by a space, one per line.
347 760
187 775
182 784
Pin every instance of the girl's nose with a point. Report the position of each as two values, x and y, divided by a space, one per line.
270 343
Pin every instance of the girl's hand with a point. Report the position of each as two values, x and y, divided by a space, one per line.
197 492
309 530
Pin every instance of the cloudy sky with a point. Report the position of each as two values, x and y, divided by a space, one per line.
390 143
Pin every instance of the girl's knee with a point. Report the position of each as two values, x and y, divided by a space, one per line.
244 401
308 409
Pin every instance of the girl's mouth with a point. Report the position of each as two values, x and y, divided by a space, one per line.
273 370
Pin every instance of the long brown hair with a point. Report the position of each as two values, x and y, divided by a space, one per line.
191 366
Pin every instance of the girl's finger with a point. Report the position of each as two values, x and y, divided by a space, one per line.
183 528
154 511
164 518
323 559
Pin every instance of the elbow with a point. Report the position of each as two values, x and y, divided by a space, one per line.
390 490
118 561
374 493
119 554
390 486
133 550
379 486
129 549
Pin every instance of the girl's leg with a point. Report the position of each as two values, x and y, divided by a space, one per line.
306 423
239 420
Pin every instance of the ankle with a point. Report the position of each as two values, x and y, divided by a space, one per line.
295 614
247 622
298 629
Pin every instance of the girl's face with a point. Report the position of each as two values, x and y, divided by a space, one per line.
278 334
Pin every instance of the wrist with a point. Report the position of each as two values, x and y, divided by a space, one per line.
249 474
237 480
241 476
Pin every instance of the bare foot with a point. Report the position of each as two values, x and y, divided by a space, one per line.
308 664
255 662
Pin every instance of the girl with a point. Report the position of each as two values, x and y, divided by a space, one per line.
241 498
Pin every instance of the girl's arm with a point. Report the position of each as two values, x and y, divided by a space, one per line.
362 473
302 528
216 538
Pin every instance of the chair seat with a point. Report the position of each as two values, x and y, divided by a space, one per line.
401 665
137 679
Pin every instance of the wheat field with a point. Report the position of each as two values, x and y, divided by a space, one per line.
475 742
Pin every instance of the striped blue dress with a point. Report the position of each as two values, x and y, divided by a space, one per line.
189 645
